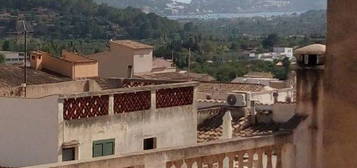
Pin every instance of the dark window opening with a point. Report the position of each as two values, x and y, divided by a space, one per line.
68 154
310 60
130 71
149 143
103 148
313 60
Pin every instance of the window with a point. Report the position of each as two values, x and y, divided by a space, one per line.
68 154
310 60
149 143
103 147
130 71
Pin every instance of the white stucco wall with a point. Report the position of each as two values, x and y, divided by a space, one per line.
174 126
115 62
266 97
28 130
143 61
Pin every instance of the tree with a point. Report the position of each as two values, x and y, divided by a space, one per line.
2 58
6 45
270 41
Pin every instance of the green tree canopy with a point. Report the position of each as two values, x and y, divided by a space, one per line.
2 58
270 41
6 45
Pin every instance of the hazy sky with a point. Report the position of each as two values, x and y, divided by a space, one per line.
186 1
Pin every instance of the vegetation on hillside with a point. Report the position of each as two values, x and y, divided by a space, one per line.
2 58
64 19
218 47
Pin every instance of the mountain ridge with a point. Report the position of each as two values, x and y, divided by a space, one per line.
174 7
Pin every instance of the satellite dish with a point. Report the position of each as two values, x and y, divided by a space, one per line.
231 100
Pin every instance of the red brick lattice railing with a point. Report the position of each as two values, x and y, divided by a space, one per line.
85 107
89 105
130 83
174 97
265 157
129 102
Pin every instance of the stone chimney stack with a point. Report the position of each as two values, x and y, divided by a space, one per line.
275 95
227 126
310 70
340 94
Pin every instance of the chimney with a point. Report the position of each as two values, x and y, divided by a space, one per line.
310 94
252 108
130 71
227 126
275 95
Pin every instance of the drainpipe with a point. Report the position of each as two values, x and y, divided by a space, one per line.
227 126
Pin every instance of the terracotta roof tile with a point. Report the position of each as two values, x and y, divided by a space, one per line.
218 91
176 76
12 76
211 129
76 58
259 75
161 63
132 44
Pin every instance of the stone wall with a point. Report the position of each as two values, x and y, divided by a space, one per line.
340 104
70 87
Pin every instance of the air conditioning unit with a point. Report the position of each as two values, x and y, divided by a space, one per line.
237 99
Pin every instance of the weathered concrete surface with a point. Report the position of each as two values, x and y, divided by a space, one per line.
340 105
171 126
158 158
36 91
28 131
307 136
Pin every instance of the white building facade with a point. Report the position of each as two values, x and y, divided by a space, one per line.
13 57
95 124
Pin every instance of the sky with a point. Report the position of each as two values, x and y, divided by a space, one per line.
185 1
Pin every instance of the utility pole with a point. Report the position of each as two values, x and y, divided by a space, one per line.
172 57
25 58
189 64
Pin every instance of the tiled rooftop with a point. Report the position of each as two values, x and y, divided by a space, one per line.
132 44
219 91
211 129
76 58
177 76
12 76
259 75
161 63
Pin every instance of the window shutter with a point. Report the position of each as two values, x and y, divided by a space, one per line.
108 148
97 149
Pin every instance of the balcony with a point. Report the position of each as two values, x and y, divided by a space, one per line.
274 151
133 96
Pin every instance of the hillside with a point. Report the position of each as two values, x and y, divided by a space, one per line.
308 23
172 7
68 19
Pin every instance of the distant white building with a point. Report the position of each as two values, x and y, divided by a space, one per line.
278 53
284 51
13 57
256 78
